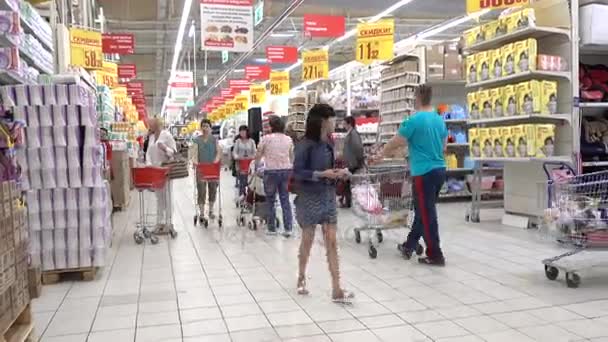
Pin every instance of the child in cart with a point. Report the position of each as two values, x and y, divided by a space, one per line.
256 197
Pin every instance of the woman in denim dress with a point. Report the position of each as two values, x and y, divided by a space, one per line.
315 182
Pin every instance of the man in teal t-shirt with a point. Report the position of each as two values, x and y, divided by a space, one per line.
425 134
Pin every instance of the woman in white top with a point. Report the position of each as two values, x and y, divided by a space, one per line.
161 148
244 148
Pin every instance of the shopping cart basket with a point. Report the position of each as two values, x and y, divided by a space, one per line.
382 199
152 179
576 216
242 170
207 172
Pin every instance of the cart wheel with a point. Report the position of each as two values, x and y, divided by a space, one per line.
146 233
572 280
219 222
357 236
419 249
173 233
373 252
250 225
205 222
154 239
467 217
551 272
195 220
475 218
379 236
138 238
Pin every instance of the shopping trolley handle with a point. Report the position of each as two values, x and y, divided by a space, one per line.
550 165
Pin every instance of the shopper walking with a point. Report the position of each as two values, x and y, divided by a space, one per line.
161 148
315 203
208 151
276 149
353 154
244 148
425 134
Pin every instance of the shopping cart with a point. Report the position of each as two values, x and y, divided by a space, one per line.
207 172
242 170
382 199
576 216
255 206
153 179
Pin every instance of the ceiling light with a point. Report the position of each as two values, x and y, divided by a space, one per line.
283 35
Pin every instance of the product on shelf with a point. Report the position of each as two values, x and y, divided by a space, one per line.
528 97
508 59
496 98
473 36
473 105
487 148
548 97
474 143
497 142
509 100
508 143
508 23
485 103
545 140
471 65
551 63
452 62
483 66
527 140
526 52
495 63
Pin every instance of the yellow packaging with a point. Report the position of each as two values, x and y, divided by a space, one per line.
473 105
526 53
528 97
485 103
473 36
522 140
471 68
487 148
524 18
483 65
509 100
496 96
507 53
508 142
489 30
548 97
495 63
497 142
545 141
511 22
474 143
501 28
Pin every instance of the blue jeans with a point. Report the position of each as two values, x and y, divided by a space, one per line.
241 181
277 181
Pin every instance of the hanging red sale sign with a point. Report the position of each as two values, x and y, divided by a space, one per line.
257 72
120 43
327 26
135 88
281 54
227 94
127 71
138 100
238 85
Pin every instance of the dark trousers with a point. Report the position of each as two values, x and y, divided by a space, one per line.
425 190
241 181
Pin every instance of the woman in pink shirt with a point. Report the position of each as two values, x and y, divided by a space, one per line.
277 150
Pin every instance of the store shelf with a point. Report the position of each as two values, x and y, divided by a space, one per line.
593 105
459 170
530 32
459 194
525 160
461 145
399 86
9 77
438 83
456 122
523 76
388 78
363 110
384 101
29 59
398 110
534 118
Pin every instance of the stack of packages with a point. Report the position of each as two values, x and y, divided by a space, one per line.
105 107
14 292
67 200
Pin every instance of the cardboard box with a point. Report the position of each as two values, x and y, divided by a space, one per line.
509 103
490 29
434 62
545 140
483 66
471 65
548 97
473 105
487 146
34 281
474 143
496 96
121 180
452 62
473 36
526 54
507 53
518 133
508 142
495 63
497 142
529 97
485 104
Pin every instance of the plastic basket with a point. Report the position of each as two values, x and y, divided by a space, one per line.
244 165
208 171
150 177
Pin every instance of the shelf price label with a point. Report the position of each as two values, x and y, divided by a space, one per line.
279 83
480 5
375 41
108 75
85 49
315 65
257 94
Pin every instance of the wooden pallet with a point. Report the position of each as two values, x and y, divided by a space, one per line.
21 330
84 274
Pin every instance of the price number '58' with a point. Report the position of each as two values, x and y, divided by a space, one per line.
92 60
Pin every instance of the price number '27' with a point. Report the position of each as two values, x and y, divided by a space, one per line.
312 72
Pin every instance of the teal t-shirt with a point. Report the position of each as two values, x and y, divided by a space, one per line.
207 149
426 134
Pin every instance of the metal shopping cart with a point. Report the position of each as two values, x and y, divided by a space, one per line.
154 179
242 170
210 173
576 216
382 198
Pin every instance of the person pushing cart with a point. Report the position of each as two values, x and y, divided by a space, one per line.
208 151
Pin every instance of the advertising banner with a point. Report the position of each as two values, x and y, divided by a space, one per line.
257 94
85 49
315 65
479 5
375 41
119 43
327 26
279 83
257 72
238 85
227 25
182 87
281 54
127 71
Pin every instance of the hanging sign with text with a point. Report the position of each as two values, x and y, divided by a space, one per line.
108 75
85 49
315 65
127 71
326 26
257 94
119 43
257 72
375 41
281 54
279 83
227 25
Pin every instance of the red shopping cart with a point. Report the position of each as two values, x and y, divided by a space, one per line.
242 171
153 179
209 175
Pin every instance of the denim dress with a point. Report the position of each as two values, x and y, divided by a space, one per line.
316 197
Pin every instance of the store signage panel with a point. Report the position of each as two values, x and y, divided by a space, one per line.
327 26
480 5
227 25
238 85
315 65
135 88
257 72
127 71
279 83
119 43
85 49
108 75
242 103
182 87
257 94
281 54
375 41
258 13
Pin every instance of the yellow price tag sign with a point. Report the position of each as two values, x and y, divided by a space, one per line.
480 5
315 65
257 94
375 41
231 108
279 83
108 75
241 103
85 49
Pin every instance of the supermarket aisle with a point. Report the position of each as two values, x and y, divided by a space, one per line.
212 286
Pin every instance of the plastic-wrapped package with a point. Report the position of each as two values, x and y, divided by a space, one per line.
45 116
48 257
74 176
32 137
73 133
61 93
87 177
85 257
35 179
99 256
46 136
46 208
31 114
86 119
33 159
60 248
60 114
50 96
35 247
97 221
71 199
36 98
33 219
84 198
48 178
60 136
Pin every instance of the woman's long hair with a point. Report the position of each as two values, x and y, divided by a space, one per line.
314 122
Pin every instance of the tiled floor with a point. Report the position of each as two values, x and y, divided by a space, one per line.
209 285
